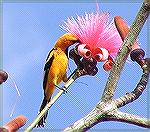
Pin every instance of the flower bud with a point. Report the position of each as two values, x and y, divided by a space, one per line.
3 76
138 56
83 50
100 54
108 64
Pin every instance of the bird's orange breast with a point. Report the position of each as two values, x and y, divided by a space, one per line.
59 67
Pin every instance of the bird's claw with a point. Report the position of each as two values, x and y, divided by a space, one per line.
64 89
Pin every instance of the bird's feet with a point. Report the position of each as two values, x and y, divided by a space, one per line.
62 88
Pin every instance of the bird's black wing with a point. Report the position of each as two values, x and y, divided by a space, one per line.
66 51
47 66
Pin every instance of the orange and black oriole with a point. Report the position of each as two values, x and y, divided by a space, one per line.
55 69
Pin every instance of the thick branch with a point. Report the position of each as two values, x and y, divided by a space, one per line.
97 115
130 97
124 52
128 118
105 109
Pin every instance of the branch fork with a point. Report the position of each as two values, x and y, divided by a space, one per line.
107 108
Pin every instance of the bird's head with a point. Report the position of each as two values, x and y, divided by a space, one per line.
65 41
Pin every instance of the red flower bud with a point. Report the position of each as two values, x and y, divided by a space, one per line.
108 64
100 54
83 50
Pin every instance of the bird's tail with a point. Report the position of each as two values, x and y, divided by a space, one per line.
42 121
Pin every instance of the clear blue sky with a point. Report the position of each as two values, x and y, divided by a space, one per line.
29 32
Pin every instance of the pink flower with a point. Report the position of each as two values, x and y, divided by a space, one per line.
96 32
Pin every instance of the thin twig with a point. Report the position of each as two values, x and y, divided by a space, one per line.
124 52
76 74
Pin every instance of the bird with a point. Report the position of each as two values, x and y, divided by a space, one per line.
55 69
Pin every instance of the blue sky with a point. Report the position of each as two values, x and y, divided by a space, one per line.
29 32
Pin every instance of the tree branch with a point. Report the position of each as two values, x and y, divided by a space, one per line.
106 109
125 50
76 74
128 118
97 115
81 70
130 97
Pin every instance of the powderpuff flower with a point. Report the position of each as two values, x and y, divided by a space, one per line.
99 37
95 31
